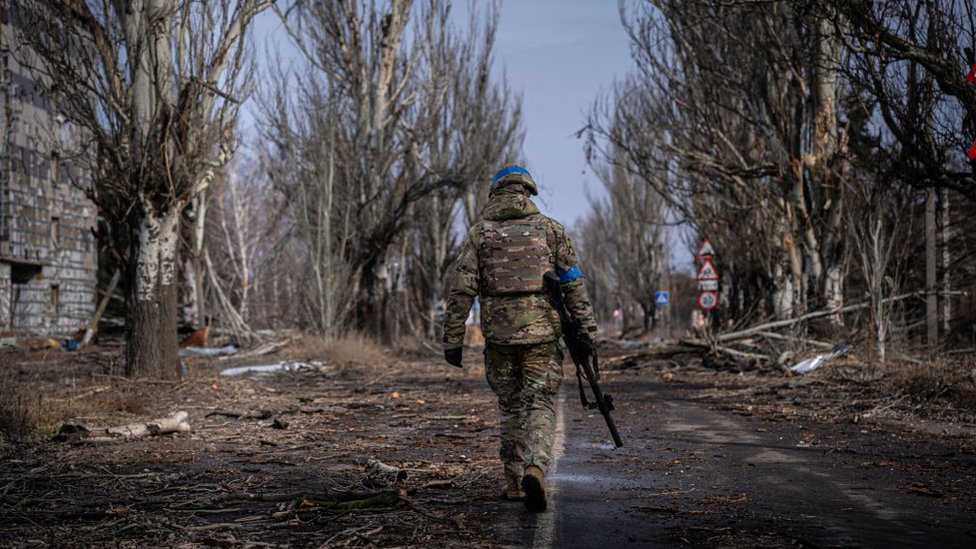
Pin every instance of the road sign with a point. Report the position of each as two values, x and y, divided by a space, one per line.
706 249
707 271
707 285
708 300
661 299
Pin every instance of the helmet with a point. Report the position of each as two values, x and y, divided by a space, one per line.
515 174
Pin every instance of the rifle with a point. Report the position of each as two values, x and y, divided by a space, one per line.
582 350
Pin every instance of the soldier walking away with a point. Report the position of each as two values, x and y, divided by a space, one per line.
503 262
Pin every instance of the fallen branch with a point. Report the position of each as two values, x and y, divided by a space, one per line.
809 342
253 414
670 351
731 336
354 501
261 350
77 433
92 328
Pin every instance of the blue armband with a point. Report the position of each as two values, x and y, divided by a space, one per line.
569 274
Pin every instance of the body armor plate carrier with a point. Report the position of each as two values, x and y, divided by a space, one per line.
516 256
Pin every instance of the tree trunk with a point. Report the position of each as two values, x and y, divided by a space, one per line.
932 300
782 293
191 309
151 343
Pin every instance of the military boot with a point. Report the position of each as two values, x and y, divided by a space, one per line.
533 484
513 494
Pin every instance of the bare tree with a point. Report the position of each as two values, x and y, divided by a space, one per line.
734 122
626 241
878 225
154 87
393 125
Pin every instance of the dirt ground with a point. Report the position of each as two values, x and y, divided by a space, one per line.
282 459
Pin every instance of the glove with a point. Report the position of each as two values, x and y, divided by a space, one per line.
453 356
587 340
582 343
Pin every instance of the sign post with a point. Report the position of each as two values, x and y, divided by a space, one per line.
708 277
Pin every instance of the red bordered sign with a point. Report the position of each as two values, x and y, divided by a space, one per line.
706 250
707 271
708 300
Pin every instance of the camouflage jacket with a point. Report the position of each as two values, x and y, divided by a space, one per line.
524 319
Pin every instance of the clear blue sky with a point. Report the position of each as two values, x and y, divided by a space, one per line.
560 55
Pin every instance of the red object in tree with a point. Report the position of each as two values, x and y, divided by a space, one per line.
972 152
971 77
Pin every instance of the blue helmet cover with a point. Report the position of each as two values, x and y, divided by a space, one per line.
509 170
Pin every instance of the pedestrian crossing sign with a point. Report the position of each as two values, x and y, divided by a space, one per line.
661 299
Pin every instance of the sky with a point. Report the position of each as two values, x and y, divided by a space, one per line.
559 55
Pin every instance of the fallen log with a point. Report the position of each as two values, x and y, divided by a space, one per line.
682 347
253 414
659 353
78 433
786 323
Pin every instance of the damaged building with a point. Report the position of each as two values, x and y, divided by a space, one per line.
48 254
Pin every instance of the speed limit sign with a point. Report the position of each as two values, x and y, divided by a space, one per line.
708 300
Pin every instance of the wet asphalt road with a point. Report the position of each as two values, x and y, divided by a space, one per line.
693 477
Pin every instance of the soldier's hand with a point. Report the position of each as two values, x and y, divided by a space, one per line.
585 342
453 356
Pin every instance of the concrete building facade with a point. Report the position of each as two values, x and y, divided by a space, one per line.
48 253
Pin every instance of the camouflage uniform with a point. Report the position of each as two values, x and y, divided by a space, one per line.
523 362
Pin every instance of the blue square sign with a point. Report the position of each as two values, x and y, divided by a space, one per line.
661 299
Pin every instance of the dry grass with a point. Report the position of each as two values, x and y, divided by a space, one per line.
39 391
352 349
947 381
21 410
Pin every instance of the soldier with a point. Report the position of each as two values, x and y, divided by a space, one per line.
503 262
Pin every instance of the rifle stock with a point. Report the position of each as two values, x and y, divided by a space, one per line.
582 350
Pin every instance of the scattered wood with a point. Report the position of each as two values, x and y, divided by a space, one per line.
377 469
263 349
253 414
78 433
439 483
348 502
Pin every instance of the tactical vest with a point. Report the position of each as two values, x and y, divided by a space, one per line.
516 256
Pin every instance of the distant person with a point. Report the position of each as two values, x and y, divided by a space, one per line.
503 262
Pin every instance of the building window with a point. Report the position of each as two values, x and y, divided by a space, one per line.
55 232
56 300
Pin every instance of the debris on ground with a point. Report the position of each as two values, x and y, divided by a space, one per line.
79 433
286 366
811 364
226 350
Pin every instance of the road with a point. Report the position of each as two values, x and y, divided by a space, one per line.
691 476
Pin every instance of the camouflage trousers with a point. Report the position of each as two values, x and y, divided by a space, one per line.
525 378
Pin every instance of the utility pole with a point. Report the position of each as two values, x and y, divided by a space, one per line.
931 299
